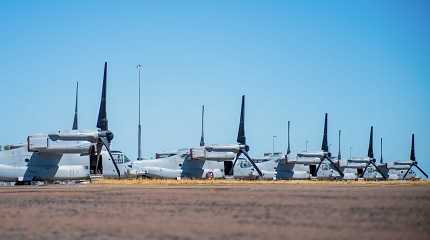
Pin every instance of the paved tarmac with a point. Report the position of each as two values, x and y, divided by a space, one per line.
260 211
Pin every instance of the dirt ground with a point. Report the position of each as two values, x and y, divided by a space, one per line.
246 211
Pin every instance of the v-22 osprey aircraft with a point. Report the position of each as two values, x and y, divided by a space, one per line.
65 155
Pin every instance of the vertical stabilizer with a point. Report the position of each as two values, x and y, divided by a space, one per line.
75 119
202 138
324 145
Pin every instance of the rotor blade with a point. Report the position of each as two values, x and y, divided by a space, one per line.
413 148
404 176
99 149
75 119
324 145
102 121
241 132
111 157
234 163
252 162
336 167
202 138
318 168
370 150
236 158
380 172
365 168
422 171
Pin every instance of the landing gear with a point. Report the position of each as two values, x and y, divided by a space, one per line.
96 162
228 168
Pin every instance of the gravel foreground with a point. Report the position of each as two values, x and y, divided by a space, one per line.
245 211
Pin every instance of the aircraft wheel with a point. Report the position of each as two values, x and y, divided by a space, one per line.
210 175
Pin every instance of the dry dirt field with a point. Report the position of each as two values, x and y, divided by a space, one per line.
216 211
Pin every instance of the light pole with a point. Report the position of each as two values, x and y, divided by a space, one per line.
350 152
339 154
273 145
381 160
306 142
139 128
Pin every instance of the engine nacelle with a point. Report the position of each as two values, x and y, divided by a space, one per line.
235 148
78 136
360 160
312 155
43 143
204 154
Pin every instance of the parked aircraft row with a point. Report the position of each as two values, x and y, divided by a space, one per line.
80 155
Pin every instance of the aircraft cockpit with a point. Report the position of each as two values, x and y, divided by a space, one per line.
120 157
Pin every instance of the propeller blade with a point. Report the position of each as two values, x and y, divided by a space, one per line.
404 176
236 158
379 170
111 156
234 163
336 167
202 138
365 168
318 168
75 119
422 171
324 145
102 121
413 148
241 133
370 150
252 162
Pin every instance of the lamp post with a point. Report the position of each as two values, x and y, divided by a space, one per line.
139 128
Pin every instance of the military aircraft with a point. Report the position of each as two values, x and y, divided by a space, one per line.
303 165
205 161
64 155
364 167
401 170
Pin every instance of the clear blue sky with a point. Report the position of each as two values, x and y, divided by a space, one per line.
364 62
